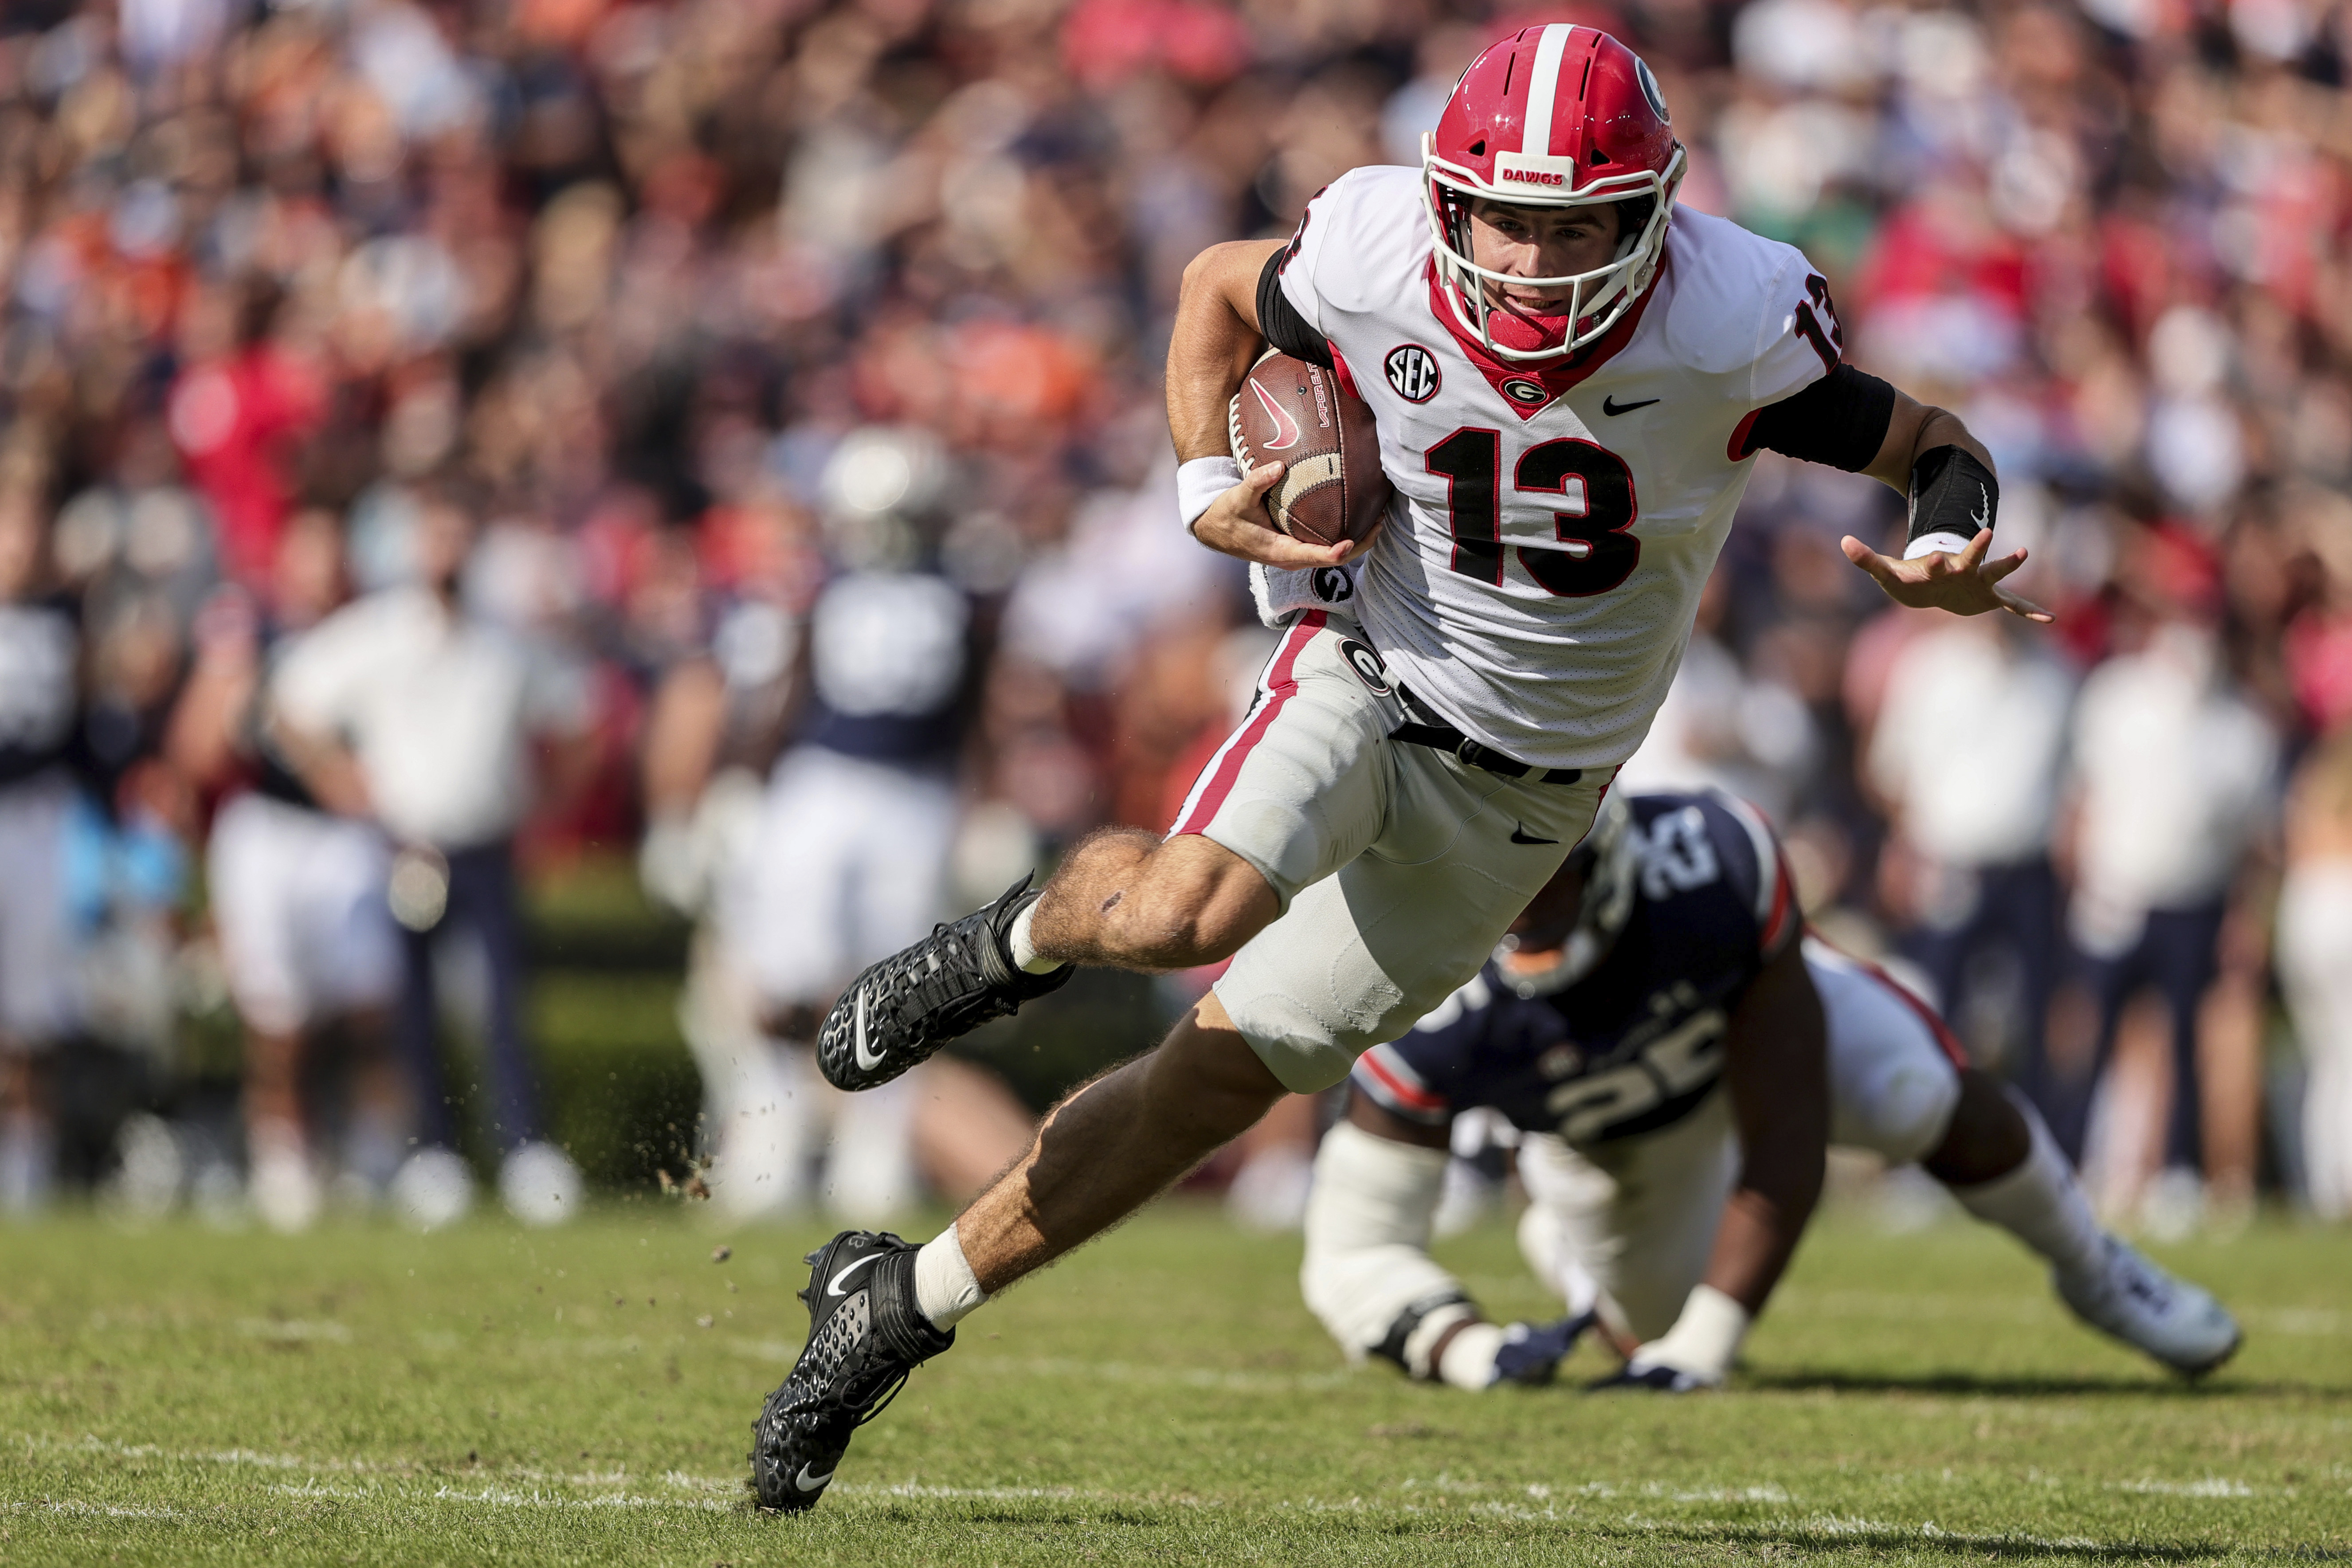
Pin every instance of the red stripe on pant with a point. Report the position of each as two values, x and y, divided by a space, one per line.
1928 1015
1226 767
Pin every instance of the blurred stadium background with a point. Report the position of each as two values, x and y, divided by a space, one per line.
614 283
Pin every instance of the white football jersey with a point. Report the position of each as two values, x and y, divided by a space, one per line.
1541 566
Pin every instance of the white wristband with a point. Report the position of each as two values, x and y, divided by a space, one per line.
1200 482
1704 1338
1933 544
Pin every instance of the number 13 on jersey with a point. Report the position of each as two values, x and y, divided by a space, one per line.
1592 550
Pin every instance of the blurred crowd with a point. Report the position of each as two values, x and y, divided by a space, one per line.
443 441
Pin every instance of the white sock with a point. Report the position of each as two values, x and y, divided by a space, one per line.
945 1290
1024 951
2041 1204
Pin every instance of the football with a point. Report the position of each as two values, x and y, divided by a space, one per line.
1332 488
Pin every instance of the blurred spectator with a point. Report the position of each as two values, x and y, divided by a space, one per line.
402 711
2173 780
1966 752
2315 951
39 657
298 893
1719 727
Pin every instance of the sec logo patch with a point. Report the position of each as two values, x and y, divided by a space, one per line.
1367 666
1411 373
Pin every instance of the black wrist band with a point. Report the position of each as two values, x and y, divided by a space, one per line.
1953 496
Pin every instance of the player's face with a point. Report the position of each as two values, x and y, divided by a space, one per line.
1539 242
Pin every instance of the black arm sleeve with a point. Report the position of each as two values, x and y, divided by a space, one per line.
1840 420
1279 319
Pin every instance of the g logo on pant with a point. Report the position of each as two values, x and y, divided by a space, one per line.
1367 666
1332 584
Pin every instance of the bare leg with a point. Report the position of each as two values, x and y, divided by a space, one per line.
1115 1144
273 1083
1987 1137
1124 898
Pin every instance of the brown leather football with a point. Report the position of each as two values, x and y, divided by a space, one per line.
1332 488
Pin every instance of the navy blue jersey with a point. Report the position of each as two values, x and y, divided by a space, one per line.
889 659
1638 1042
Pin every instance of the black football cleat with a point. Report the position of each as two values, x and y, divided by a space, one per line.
906 1006
865 1335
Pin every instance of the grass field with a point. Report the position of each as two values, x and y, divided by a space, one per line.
180 1396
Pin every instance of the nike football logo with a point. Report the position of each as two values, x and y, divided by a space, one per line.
866 1060
1983 517
1520 835
833 1287
809 1483
1612 407
1284 425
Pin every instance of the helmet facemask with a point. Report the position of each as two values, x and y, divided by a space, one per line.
1609 862
1596 300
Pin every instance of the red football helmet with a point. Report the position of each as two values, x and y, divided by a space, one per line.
1554 116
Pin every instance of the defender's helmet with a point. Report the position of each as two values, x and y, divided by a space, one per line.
1605 868
1554 116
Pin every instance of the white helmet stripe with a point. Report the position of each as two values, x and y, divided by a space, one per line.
1536 141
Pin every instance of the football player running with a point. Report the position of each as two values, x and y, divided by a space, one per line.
1569 376
1675 1055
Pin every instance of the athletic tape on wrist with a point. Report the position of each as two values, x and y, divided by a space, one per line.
1200 482
1953 498
1704 1338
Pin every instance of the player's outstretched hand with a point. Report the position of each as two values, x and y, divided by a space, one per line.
1966 583
1530 1353
1237 524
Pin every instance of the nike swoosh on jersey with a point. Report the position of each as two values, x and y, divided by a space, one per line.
866 1060
809 1483
1284 425
1612 407
1520 835
833 1285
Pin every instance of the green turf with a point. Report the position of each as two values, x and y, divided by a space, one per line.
180 1396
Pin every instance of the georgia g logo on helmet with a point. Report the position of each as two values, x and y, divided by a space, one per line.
1552 116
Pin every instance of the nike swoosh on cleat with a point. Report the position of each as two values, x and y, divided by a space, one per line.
1612 407
1520 835
866 1061
833 1287
809 1483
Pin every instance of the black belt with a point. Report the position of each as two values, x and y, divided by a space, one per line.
1423 728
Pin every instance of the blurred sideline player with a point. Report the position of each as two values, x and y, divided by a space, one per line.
1567 389
298 893
842 860
1674 1054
